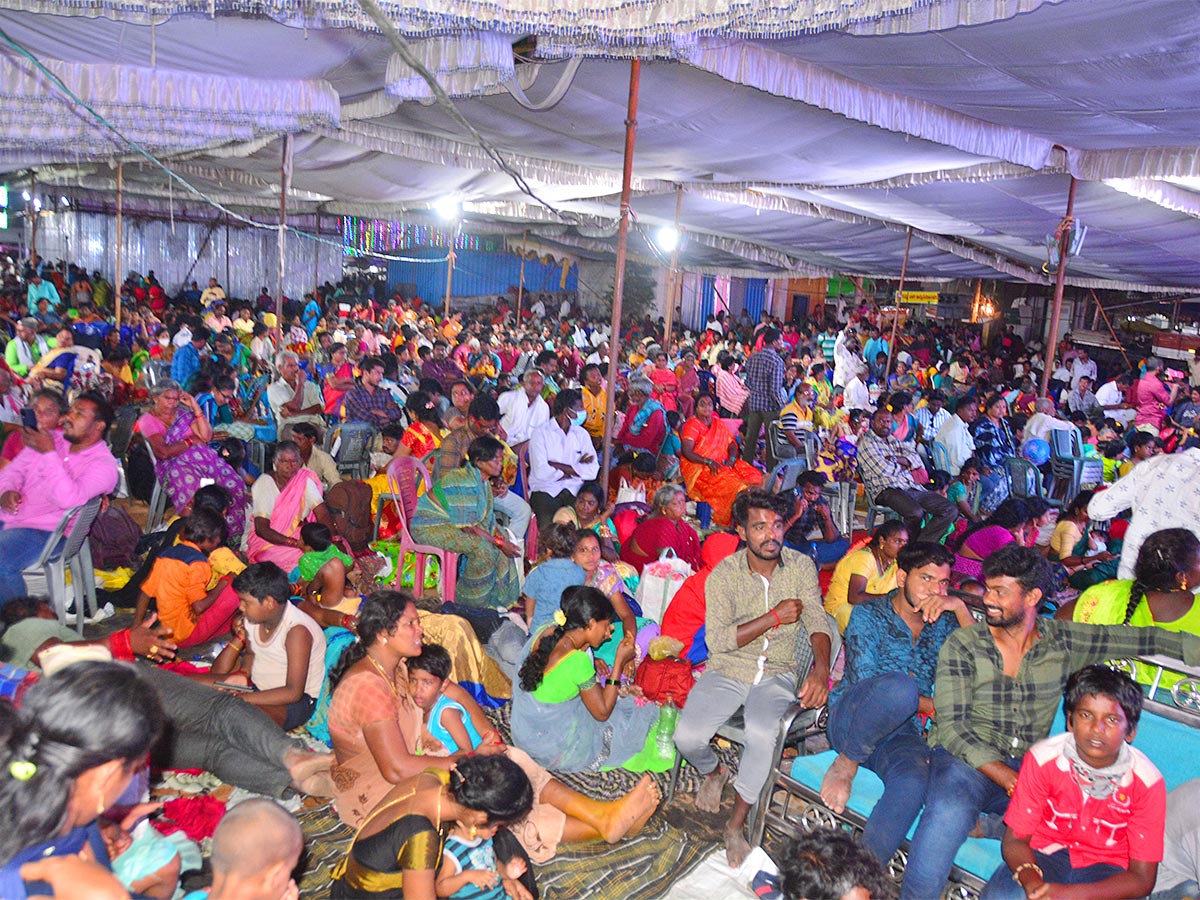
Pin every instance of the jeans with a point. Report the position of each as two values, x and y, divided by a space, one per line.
872 724
19 547
823 552
1056 869
516 510
957 794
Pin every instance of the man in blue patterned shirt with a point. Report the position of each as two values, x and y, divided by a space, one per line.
892 645
764 380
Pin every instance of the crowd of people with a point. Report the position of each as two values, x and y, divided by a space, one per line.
941 642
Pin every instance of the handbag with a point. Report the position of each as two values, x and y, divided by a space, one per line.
627 493
660 582
663 678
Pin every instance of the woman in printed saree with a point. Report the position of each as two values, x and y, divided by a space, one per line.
568 711
457 515
283 502
179 439
994 443
645 424
664 528
711 468
666 383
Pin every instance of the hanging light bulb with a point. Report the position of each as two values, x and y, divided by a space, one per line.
667 238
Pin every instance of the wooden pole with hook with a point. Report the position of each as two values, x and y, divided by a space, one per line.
1064 243
610 410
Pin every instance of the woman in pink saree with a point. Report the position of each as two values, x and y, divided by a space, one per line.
282 502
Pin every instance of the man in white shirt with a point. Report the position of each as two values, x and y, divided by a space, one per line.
561 458
856 395
293 398
522 410
1043 421
538 310
1082 367
564 308
1113 399
955 435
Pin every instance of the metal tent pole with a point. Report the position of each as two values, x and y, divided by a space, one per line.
285 177
673 277
119 281
896 316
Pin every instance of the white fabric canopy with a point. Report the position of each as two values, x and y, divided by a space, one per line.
807 135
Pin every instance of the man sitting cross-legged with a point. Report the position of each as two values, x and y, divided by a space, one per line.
892 645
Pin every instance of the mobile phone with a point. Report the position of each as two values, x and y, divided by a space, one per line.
239 688
29 418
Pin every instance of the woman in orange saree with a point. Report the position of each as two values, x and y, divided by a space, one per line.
712 471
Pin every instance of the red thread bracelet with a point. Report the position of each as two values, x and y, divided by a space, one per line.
778 621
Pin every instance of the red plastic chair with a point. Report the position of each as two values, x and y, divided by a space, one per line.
402 474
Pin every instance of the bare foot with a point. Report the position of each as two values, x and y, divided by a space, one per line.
736 846
310 772
633 810
708 798
835 786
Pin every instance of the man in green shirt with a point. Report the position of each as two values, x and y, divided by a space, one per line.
997 689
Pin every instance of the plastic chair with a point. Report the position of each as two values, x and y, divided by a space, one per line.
1027 481
121 432
77 556
402 474
1069 468
59 553
781 448
158 497
877 510
784 476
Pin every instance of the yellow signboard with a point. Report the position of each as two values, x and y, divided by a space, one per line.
918 297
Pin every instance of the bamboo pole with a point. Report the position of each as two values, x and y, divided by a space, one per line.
896 318
118 278
32 212
449 279
317 256
1064 241
673 276
1120 346
610 410
521 282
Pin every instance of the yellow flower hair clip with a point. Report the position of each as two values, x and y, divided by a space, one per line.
560 618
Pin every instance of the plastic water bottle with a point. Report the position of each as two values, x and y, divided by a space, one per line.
664 739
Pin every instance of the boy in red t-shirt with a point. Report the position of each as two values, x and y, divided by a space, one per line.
1088 811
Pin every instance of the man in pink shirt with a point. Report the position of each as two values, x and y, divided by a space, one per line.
1153 398
54 474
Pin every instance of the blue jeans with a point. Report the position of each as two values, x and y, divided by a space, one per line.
822 552
957 794
872 724
1056 869
18 548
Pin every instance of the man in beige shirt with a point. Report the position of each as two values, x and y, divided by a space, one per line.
764 626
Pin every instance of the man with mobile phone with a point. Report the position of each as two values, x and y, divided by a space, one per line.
56 473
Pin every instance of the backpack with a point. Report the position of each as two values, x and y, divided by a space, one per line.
114 538
347 512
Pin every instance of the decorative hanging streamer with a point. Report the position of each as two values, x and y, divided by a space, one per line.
377 236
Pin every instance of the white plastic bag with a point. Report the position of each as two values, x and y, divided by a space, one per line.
661 580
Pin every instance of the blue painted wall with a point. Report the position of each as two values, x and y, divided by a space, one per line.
476 273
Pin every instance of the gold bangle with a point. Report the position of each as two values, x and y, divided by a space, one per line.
1022 867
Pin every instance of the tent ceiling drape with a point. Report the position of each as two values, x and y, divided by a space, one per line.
807 134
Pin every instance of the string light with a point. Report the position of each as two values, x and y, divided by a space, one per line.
371 236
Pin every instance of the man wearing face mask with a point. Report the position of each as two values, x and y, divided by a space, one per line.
561 458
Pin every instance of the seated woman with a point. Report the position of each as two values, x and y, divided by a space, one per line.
866 573
711 468
606 578
458 515
68 754
590 512
283 502
376 728
424 435
961 487
666 384
568 712
1161 595
645 425
1083 553
837 454
338 380
663 529
994 443
553 574
224 411
398 851
178 433
1012 521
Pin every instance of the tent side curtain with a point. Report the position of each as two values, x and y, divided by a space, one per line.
756 297
478 274
708 294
